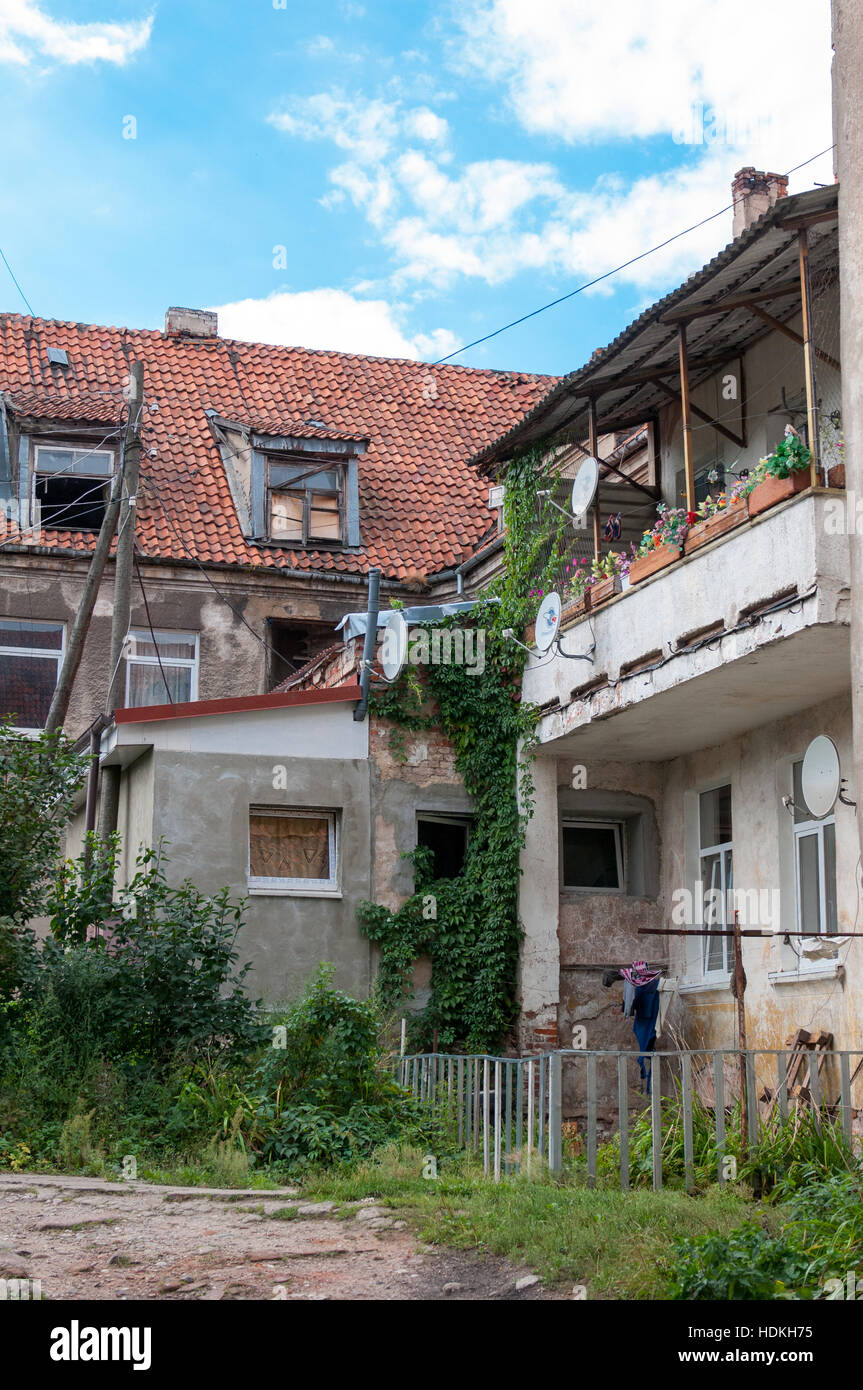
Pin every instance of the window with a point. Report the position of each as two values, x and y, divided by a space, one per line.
716 876
293 851
72 485
446 837
292 644
814 865
30 657
305 506
164 672
593 855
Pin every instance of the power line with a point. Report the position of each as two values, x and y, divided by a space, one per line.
17 286
608 273
148 481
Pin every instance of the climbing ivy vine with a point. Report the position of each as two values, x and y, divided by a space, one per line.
469 925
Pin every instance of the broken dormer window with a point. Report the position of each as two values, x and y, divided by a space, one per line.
72 485
306 506
304 492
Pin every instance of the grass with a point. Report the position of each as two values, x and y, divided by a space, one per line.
615 1243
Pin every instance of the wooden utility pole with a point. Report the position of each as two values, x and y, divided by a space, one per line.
80 627
123 587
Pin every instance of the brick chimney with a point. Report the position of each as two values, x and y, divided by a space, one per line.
754 193
191 323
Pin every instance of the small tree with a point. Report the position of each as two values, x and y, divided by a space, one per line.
38 779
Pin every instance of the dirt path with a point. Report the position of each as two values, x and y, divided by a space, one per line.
89 1239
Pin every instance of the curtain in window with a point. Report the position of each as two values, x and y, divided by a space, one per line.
289 847
147 685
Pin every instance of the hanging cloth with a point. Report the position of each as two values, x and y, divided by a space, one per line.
641 1004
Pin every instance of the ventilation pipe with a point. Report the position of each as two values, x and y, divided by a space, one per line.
369 643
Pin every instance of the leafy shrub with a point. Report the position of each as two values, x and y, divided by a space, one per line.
320 1094
747 1264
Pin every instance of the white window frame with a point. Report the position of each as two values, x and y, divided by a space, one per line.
186 663
801 830
57 655
77 447
725 851
580 823
298 887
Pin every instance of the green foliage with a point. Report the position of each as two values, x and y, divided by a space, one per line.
786 1153
321 1093
473 937
747 1264
38 780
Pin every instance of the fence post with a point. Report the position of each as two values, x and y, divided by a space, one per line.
555 1114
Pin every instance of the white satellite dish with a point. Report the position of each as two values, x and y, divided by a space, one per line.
547 623
584 487
822 776
395 646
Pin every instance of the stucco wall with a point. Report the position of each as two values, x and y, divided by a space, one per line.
231 660
758 767
202 808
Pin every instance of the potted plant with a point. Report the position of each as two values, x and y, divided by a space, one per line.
662 544
575 593
716 515
784 472
606 577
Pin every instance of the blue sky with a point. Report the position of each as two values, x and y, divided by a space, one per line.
395 178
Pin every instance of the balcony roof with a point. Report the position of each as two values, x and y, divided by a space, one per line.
622 377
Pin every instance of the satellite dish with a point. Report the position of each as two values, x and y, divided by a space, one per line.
395 646
547 622
584 487
822 776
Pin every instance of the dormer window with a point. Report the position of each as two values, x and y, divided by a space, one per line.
72 485
305 507
305 491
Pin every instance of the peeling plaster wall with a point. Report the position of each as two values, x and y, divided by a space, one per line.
758 766
231 660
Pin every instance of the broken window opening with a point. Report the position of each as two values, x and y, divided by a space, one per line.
72 486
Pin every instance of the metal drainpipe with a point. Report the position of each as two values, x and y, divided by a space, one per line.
95 731
369 643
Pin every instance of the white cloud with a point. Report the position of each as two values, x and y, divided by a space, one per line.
596 70
334 319
732 82
26 32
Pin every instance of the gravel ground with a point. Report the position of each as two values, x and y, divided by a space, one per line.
84 1238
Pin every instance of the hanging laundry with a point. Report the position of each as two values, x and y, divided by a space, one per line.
641 1004
613 527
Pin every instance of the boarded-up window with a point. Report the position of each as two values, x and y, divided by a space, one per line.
292 848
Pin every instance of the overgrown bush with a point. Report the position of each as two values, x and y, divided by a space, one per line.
747 1264
320 1093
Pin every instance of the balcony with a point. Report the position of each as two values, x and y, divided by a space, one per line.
749 628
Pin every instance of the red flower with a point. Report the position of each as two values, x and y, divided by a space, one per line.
691 518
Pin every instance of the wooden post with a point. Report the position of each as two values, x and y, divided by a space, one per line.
686 418
808 358
740 994
592 445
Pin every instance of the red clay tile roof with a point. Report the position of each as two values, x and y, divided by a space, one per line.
421 506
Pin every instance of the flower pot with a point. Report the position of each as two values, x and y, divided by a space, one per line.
774 490
603 589
716 525
655 560
836 475
574 608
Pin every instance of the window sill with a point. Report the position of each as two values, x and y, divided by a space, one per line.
259 892
708 986
826 970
